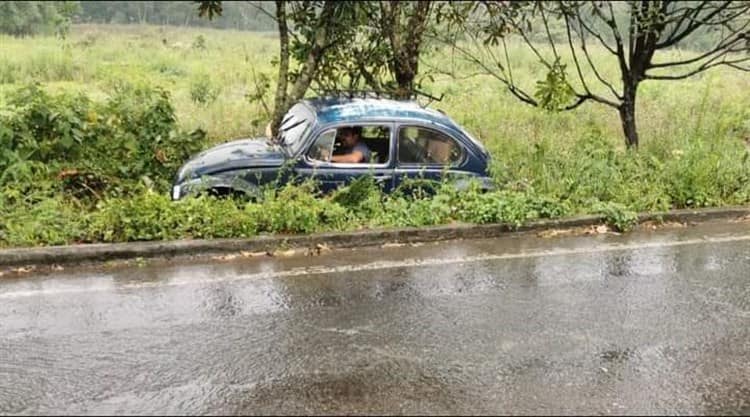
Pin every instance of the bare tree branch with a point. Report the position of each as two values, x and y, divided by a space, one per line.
581 98
687 12
593 67
533 48
619 51
704 67
507 61
633 30
652 26
264 11
721 47
589 94
597 35
575 56
546 29
695 24
517 92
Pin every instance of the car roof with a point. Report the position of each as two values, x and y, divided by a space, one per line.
339 109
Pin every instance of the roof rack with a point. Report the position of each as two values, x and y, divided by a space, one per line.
360 94
413 96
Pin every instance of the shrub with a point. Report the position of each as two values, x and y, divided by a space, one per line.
362 197
42 127
199 43
153 216
50 221
616 215
295 209
131 136
203 91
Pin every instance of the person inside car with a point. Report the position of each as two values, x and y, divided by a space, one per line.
352 149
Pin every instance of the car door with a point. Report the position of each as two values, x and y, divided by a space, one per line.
426 153
315 161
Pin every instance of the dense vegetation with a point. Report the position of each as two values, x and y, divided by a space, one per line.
240 15
26 18
87 154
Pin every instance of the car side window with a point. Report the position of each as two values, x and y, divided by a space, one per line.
373 140
421 145
377 138
322 149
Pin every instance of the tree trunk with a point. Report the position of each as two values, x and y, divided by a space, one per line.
627 116
279 106
405 42
284 99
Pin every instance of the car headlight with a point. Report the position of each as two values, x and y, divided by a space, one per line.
176 192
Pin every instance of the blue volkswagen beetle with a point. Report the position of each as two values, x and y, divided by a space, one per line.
405 140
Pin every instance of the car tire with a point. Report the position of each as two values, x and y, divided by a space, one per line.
225 192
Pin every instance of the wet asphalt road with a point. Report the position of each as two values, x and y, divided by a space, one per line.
653 322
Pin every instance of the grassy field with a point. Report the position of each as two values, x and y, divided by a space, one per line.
94 57
693 132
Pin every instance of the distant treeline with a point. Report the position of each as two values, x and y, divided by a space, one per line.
28 18
240 15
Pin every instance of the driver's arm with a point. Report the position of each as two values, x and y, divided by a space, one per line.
353 157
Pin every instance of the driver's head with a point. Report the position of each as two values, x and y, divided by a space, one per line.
350 135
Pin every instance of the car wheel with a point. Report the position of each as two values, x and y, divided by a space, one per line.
225 192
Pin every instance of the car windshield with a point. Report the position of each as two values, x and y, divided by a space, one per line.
294 127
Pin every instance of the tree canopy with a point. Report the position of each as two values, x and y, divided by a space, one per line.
636 34
26 18
239 15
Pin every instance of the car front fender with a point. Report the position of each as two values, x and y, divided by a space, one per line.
224 181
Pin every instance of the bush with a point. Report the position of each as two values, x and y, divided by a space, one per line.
49 221
131 136
617 216
43 128
362 197
203 91
152 216
707 174
295 209
199 43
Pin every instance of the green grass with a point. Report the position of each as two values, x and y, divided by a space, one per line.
97 56
693 139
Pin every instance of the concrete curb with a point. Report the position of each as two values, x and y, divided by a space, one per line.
60 255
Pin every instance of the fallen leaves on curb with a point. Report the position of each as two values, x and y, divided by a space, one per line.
284 253
556 232
21 270
602 228
392 245
243 254
318 250
577 231
229 257
655 225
